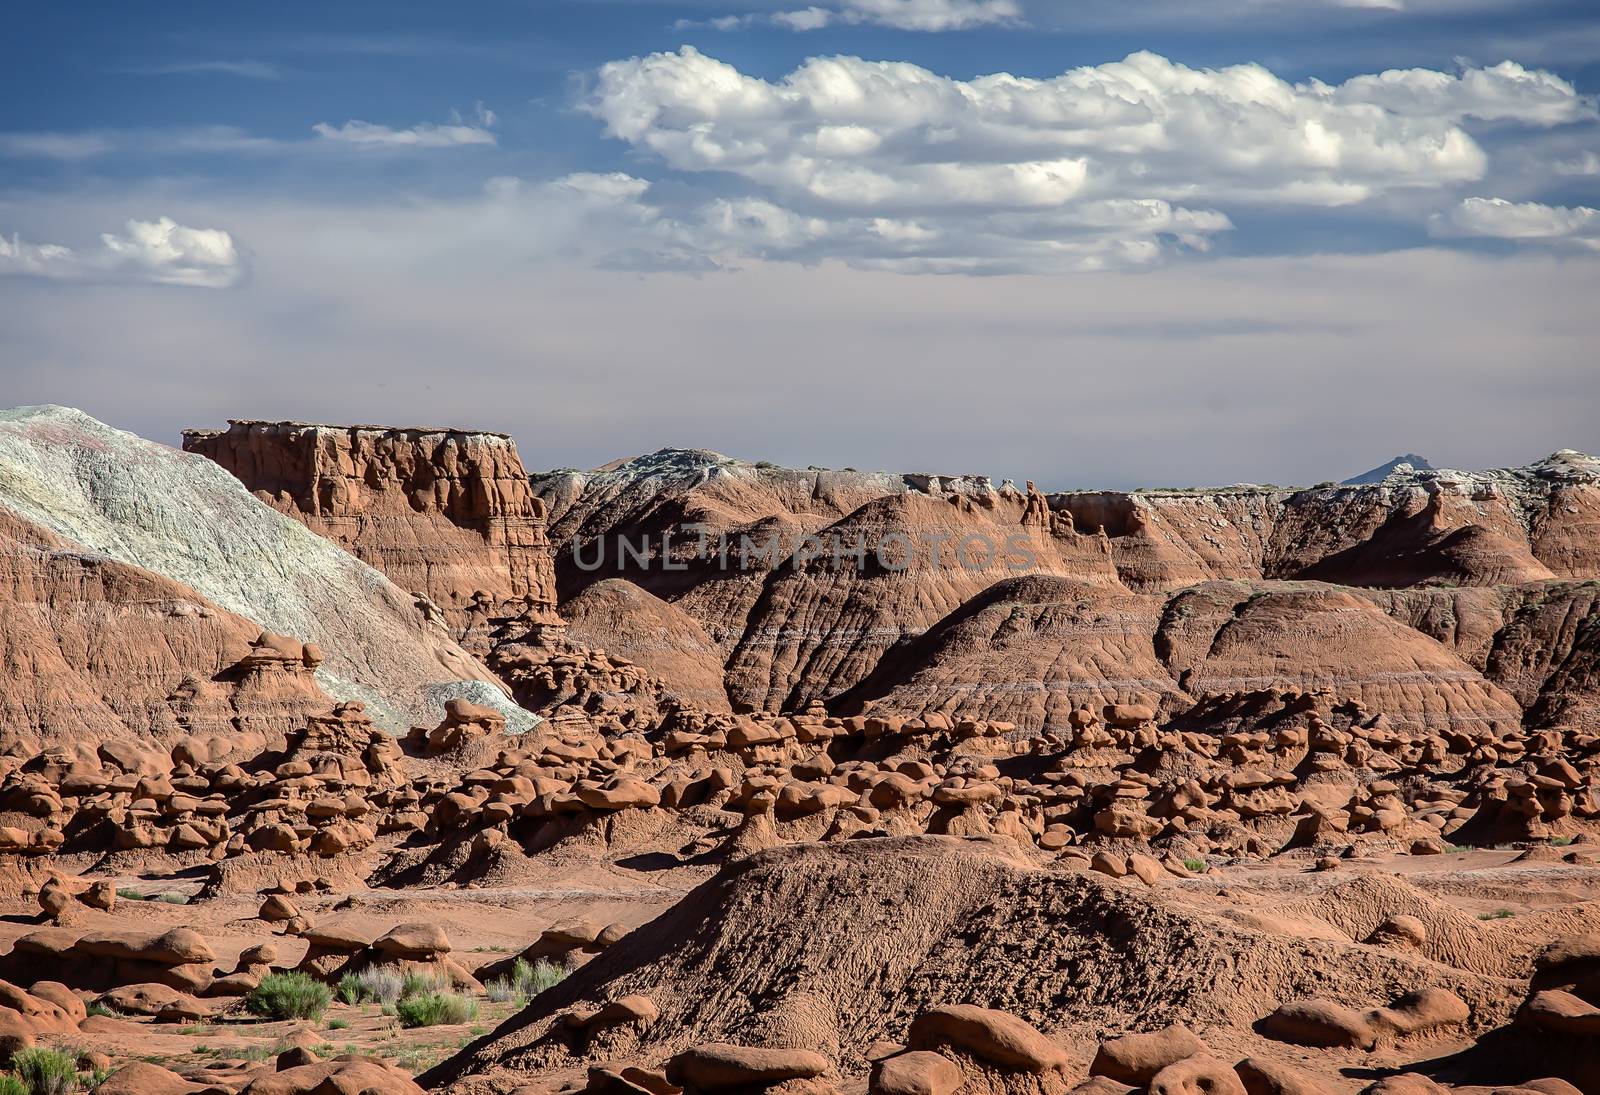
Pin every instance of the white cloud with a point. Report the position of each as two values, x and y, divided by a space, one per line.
456 133
1528 222
890 138
159 251
887 165
55 146
915 15
1583 165
611 220
1504 92
248 70
926 15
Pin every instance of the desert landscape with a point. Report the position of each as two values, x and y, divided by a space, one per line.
358 760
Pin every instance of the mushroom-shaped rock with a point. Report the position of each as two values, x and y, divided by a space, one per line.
995 1037
54 899
571 933
719 1066
918 1072
277 908
1561 1012
178 947
1407 1083
1400 931
1261 1076
102 894
342 1076
414 941
1134 1059
145 999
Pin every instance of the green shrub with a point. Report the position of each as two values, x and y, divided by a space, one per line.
418 983
10 1085
338 1024
289 996
503 990
1198 866
525 981
1498 914
174 898
436 1009
131 895
373 985
46 1071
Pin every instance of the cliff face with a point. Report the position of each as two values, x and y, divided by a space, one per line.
445 513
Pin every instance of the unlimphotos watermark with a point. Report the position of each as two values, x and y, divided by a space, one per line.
698 546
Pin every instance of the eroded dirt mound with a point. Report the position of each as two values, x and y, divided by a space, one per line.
835 947
617 616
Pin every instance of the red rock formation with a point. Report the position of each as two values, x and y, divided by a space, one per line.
445 513
1030 650
799 628
617 616
94 650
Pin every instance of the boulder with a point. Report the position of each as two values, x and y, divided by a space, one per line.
994 1037
144 1078
1263 1077
1136 1058
719 1066
1322 1023
918 1072
1201 1074
415 942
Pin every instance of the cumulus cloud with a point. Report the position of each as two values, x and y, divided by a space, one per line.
890 166
891 137
159 251
1528 222
458 132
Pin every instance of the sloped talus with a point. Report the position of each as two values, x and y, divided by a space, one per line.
184 517
93 650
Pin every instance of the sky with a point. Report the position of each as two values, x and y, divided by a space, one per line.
1093 243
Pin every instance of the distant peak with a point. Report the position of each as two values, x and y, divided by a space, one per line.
1408 462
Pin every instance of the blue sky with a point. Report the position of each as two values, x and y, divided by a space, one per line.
1089 243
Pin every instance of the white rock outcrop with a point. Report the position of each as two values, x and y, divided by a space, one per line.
184 517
